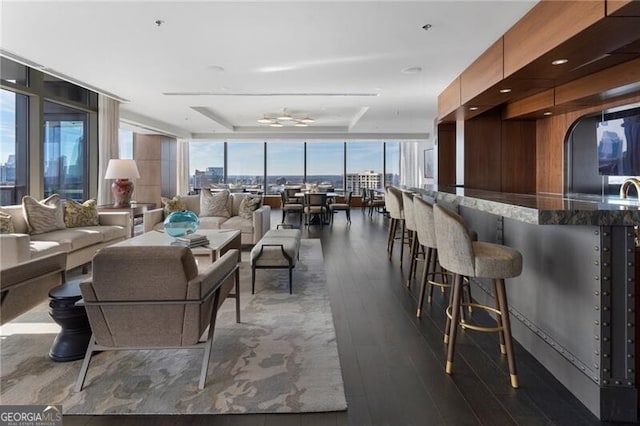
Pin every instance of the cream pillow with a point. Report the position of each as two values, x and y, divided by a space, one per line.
248 205
43 216
85 214
214 204
6 224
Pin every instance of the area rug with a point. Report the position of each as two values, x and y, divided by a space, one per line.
282 358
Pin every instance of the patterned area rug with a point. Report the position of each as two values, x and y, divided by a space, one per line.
282 358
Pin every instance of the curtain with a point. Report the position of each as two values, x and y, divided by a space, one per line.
410 165
108 126
182 160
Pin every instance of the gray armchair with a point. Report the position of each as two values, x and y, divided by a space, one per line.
154 297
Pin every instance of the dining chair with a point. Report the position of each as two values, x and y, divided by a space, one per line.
345 206
289 206
315 204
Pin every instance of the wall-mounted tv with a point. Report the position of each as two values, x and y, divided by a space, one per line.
618 136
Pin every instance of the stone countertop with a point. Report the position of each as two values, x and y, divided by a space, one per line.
543 209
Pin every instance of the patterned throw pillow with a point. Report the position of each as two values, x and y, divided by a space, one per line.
85 214
43 216
175 204
214 204
248 205
6 224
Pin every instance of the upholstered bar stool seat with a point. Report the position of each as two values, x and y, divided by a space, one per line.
465 257
394 205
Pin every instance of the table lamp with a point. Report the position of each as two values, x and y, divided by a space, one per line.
122 171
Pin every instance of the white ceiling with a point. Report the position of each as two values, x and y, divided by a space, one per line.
212 68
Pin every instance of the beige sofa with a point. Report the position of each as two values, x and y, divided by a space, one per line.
251 230
80 243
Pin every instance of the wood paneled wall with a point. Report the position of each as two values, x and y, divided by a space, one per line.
147 151
446 154
518 156
483 152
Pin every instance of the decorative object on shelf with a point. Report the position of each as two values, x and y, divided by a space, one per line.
285 117
179 224
122 171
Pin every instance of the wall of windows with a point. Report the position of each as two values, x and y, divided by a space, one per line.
350 165
48 127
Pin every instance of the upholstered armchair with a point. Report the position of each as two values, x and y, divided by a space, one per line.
154 297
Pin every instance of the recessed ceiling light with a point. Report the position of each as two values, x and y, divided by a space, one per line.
412 70
547 113
505 90
559 61
158 22
473 108
276 124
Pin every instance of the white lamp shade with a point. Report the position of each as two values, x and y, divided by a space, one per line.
122 169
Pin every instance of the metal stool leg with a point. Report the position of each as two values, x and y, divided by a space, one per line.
453 327
506 324
424 281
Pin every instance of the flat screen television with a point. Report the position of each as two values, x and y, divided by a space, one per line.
618 136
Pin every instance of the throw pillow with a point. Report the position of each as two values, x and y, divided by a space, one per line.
43 216
6 224
85 214
175 204
248 205
214 204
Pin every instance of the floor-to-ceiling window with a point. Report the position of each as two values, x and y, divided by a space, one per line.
325 163
48 129
206 164
13 147
290 162
285 165
245 163
392 163
64 153
364 165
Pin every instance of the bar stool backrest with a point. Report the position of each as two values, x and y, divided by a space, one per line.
393 201
425 227
455 247
407 204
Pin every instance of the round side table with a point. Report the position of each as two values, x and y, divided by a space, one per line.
72 341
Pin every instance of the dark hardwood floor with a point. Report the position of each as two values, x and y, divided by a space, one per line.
393 362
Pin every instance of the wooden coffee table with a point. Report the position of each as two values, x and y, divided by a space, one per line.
220 241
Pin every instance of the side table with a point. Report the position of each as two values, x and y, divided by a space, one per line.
71 342
135 210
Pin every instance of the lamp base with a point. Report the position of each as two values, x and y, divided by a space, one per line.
122 190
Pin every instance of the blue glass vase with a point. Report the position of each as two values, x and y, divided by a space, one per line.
181 223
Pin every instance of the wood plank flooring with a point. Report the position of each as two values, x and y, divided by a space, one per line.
393 362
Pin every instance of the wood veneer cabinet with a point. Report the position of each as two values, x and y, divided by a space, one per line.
600 38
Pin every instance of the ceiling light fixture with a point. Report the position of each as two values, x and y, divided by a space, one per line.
275 120
265 120
473 108
427 27
547 113
285 116
505 90
411 70
559 61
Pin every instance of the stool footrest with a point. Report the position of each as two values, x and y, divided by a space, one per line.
476 327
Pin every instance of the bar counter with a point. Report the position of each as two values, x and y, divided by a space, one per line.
544 209
573 307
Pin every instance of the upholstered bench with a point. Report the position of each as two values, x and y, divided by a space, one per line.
277 249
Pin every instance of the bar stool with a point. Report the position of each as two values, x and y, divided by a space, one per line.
425 230
464 257
410 224
393 204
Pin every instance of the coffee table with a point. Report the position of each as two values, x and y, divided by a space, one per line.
220 241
